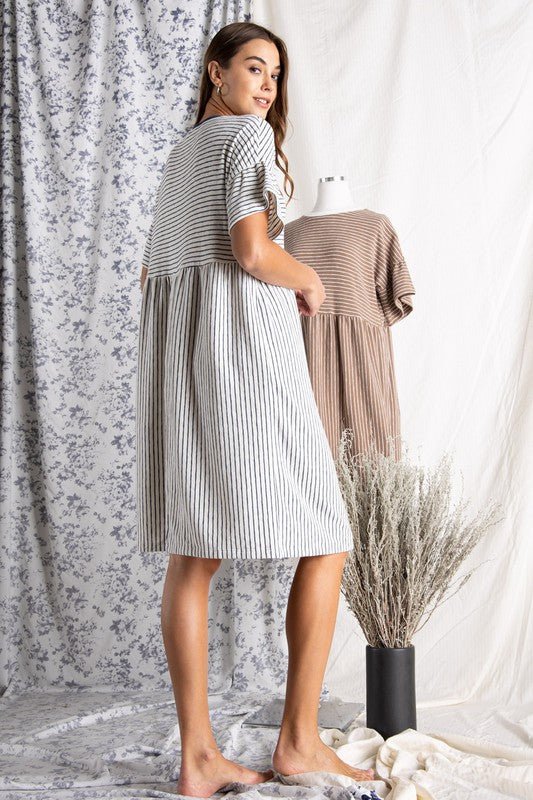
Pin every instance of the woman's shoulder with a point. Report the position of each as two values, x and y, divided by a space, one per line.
250 119
242 140
250 129
234 123
253 142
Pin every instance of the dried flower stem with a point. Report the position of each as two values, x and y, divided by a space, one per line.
408 541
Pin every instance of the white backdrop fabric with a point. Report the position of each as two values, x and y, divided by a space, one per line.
427 110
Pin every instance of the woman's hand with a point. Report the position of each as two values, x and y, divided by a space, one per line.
144 273
309 300
303 308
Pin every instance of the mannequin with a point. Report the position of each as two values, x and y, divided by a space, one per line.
357 255
333 196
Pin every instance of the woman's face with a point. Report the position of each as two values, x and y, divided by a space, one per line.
253 73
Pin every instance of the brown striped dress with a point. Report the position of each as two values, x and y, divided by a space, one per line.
348 342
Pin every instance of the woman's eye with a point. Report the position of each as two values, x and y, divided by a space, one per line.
274 76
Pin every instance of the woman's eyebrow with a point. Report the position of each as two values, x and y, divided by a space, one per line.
260 59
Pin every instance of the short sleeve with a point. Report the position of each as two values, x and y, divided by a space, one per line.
393 282
251 184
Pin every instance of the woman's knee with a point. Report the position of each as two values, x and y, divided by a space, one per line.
193 564
328 557
330 563
337 559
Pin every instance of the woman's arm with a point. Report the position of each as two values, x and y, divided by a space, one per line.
266 260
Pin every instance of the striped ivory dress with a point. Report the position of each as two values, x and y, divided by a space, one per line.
232 458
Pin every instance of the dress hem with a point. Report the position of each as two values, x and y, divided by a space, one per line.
335 549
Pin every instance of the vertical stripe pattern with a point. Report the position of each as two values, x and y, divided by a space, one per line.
348 343
232 457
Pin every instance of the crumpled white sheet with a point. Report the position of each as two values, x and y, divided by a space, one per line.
437 766
418 766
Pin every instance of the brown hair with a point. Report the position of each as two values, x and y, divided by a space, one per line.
222 47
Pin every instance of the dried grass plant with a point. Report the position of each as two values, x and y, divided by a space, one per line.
408 540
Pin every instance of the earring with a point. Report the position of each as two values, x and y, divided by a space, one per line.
218 89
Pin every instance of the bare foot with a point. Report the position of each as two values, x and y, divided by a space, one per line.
318 757
208 774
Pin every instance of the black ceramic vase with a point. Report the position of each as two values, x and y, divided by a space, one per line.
390 689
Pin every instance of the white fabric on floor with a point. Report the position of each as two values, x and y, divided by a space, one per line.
75 745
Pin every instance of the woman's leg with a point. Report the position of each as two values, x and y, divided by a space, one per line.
184 607
310 624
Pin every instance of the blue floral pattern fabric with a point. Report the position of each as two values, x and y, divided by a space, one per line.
78 605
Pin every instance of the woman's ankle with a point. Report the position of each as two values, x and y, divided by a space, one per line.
297 741
199 752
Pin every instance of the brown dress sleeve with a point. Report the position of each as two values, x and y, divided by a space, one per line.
393 282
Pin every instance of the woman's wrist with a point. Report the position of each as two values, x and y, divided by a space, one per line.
276 266
309 278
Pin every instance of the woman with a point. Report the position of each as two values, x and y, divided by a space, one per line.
233 461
